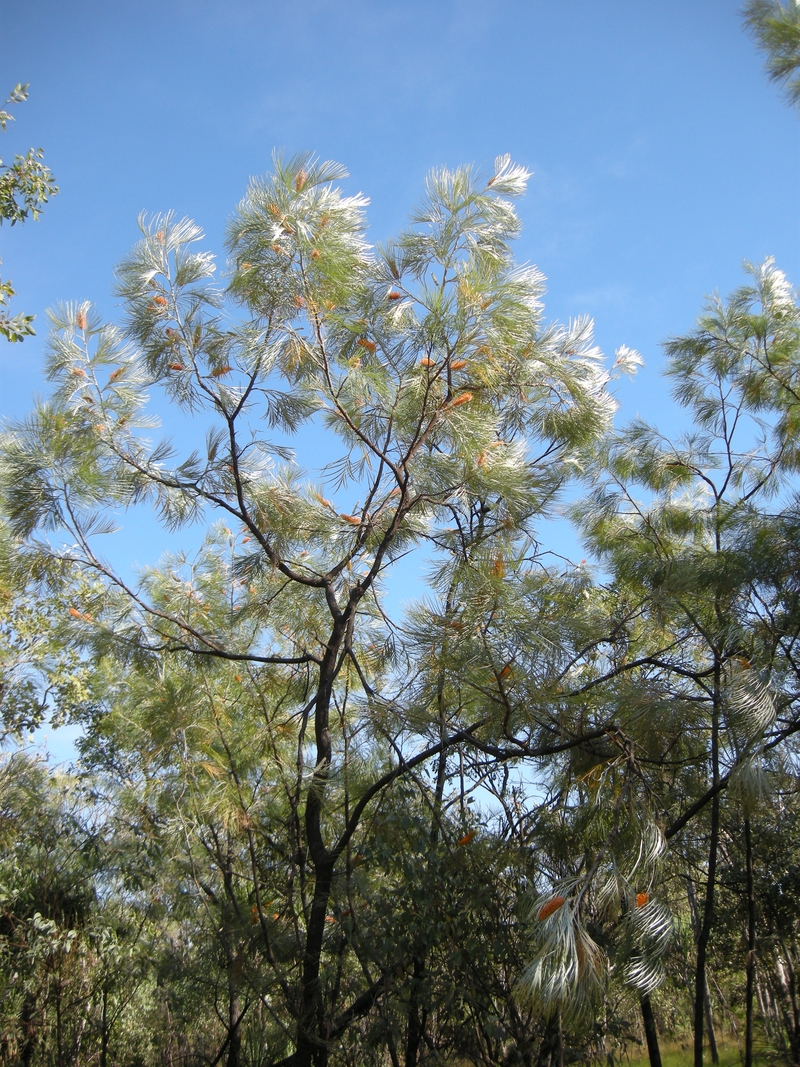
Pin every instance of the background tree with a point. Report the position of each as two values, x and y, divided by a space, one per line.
776 28
25 187
718 637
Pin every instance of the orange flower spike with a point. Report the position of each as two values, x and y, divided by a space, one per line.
465 840
80 320
116 374
459 364
464 398
425 362
369 345
300 180
299 302
176 366
352 519
254 916
394 295
75 613
315 253
642 899
549 908
218 372
160 300
505 672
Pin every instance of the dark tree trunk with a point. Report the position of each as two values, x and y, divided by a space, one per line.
234 1057
751 946
416 1014
650 1031
548 1049
29 1031
104 1029
312 1048
704 933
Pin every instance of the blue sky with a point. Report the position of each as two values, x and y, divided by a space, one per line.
661 155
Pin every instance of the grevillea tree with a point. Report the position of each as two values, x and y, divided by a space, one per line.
450 416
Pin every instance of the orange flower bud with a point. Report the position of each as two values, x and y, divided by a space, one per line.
458 364
464 398
394 295
549 908
80 320
300 180
116 374
465 840
75 613
425 362
160 300
176 366
642 899
218 372
369 345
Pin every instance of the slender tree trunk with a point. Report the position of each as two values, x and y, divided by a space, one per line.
751 946
549 1044
704 933
712 1035
416 1015
59 1034
650 1031
311 1044
707 917
234 1057
29 1031
104 1028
